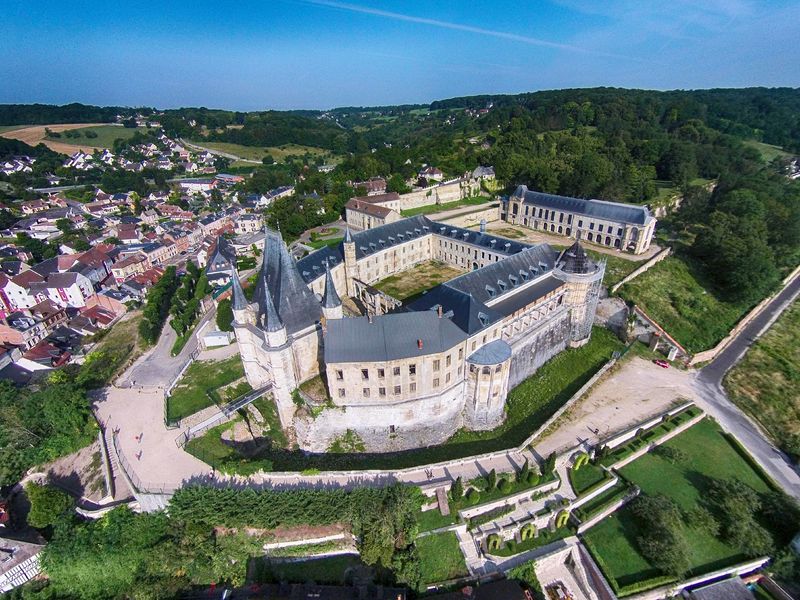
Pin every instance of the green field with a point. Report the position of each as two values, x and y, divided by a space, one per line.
709 455
440 557
191 393
279 153
766 383
4 128
106 134
585 478
675 295
529 405
768 151
435 208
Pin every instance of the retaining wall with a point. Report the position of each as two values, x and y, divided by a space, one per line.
469 218
629 434
668 436
643 269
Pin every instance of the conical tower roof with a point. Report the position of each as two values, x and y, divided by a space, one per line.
348 237
331 298
272 320
575 260
239 301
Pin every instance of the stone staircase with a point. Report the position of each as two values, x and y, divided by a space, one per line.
117 484
475 562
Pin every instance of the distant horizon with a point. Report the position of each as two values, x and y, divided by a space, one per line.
378 106
317 54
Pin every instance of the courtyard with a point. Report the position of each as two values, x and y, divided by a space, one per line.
410 283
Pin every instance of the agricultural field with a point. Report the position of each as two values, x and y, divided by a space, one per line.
676 296
412 282
766 383
257 153
35 134
105 136
707 454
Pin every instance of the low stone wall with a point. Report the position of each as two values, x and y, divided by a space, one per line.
668 591
309 541
473 511
643 269
591 522
712 354
629 434
470 218
668 436
581 500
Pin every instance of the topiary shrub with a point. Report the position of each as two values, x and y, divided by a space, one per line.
533 478
493 542
473 496
527 531
562 518
580 460
505 486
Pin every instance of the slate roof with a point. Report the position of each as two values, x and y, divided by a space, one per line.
462 309
493 353
294 302
574 260
389 337
600 209
330 299
367 208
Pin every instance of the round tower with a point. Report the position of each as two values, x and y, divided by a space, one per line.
584 278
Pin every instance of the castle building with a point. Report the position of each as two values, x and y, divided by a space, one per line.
405 376
626 227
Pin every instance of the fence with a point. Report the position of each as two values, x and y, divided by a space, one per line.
168 392
133 479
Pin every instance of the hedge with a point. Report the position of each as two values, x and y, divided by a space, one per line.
489 515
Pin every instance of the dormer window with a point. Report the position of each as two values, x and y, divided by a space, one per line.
372 246
524 275
425 228
442 230
492 243
400 236
513 280
501 284
417 231
491 291
363 248
466 234
508 246
483 319
391 239
534 271
543 266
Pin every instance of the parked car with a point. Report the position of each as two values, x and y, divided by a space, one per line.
661 363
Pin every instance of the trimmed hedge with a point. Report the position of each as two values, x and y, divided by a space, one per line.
489 515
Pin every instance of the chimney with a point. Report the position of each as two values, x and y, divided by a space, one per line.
483 225
419 344
439 311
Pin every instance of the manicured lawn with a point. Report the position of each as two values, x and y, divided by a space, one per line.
414 281
433 519
440 557
586 477
332 569
676 296
601 501
434 208
710 455
529 405
766 383
106 134
317 244
191 393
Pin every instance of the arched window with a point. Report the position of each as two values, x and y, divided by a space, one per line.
560 229
608 240
589 236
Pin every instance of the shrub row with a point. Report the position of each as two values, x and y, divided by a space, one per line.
488 516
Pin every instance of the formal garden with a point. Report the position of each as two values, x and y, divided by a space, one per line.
704 505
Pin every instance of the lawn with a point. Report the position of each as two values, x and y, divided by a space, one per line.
768 151
529 405
766 383
278 153
440 558
433 519
106 134
331 569
434 208
412 282
675 294
586 477
191 393
710 455
317 244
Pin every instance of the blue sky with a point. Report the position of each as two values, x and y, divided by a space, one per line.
259 54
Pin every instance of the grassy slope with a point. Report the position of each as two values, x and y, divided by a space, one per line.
190 394
258 152
435 208
679 301
440 557
710 456
106 134
766 384
768 151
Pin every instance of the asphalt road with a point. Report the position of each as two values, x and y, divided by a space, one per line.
708 383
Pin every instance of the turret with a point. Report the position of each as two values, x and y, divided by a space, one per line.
274 329
584 278
242 312
331 304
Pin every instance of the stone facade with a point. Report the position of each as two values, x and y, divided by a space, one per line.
416 375
626 227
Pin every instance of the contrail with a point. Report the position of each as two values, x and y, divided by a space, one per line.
459 27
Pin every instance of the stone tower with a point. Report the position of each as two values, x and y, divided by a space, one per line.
584 278
350 265
487 385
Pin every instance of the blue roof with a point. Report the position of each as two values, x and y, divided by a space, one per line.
600 209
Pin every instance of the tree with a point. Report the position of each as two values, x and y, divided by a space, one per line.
663 542
549 464
48 504
225 315
522 474
457 490
491 480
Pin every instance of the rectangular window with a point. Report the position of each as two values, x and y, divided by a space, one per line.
619 231
447 360
436 364
600 228
396 371
412 369
591 225
339 375
580 223
436 382
397 390
341 392
447 378
460 353
365 374
381 392
365 392
381 373
412 387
